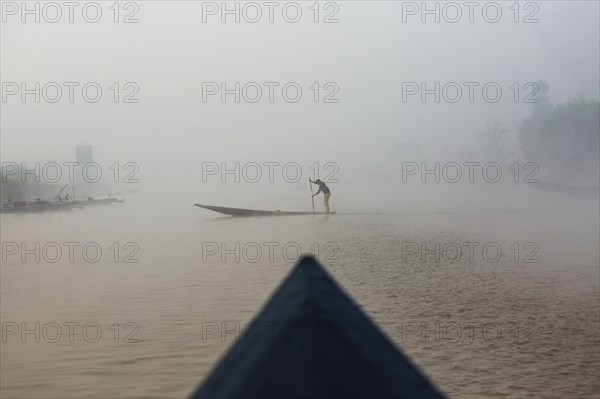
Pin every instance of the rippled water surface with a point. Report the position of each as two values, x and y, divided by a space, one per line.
479 323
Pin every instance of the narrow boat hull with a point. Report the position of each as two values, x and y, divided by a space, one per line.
46 207
239 212
311 340
102 201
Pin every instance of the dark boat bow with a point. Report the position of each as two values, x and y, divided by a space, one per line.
311 341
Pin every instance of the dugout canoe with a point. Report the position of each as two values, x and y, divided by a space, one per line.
311 340
102 201
240 212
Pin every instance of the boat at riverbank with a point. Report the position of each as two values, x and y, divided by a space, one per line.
102 201
47 206
40 206
311 340
240 212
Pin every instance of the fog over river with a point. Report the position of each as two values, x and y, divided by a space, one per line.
456 145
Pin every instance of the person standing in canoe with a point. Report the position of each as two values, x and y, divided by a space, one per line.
326 192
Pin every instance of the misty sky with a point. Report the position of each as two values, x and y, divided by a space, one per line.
170 52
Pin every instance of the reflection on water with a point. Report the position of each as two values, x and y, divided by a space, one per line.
134 302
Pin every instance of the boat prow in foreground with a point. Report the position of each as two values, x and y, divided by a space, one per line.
240 212
311 340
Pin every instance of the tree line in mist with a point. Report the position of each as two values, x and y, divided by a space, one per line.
563 137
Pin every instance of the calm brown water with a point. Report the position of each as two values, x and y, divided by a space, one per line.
478 327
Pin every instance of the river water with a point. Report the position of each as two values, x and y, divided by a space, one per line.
170 292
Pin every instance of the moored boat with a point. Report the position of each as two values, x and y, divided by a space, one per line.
55 205
102 201
40 206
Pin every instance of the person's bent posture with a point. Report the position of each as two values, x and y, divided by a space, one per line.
326 193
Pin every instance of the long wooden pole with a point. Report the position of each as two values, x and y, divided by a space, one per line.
311 194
